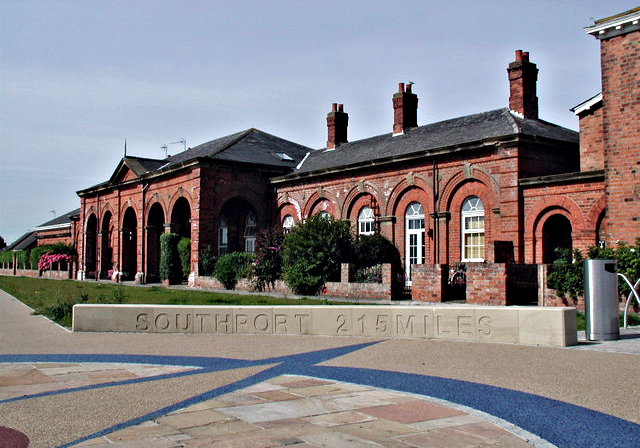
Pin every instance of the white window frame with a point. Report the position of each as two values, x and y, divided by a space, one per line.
250 223
471 211
414 219
366 221
223 237
287 224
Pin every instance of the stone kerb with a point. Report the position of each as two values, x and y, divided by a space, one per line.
519 325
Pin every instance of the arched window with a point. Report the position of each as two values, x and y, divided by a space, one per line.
472 229
223 237
250 223
414 238
366 221
287 224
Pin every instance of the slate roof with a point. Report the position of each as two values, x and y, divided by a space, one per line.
250 146
62 219
434 137
26 241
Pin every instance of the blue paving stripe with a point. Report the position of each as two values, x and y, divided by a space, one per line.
560 423
232 387
197 371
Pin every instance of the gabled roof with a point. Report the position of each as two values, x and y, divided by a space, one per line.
61 221
26 241
434 138
251 146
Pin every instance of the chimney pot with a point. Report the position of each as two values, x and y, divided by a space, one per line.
334 107
525 56
408 88
400 87
340 108
518 55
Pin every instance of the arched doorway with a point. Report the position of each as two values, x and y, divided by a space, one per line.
181 218
556 233
106 258
129 244
91 247
238 224
155 227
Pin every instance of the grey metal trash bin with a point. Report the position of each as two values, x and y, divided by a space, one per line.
601 300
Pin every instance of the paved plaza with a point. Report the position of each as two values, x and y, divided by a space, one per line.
211 390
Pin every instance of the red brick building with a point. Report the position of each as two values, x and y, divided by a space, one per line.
501 186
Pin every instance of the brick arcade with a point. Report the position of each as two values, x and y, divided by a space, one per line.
497 187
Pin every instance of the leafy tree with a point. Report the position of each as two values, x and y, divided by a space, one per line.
170 265
313 251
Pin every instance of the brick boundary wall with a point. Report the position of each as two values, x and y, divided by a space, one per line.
487 283
343 288
428 282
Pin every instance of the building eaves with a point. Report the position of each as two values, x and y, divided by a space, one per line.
587 105
564 178
617 25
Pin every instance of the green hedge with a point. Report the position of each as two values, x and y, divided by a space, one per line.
184 249
6 258
170 265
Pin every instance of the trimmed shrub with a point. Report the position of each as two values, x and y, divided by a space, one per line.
184 249
232 267
313 251
170 265
370 251
267 266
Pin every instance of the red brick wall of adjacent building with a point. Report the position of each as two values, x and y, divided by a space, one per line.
582 203
591 140
620 64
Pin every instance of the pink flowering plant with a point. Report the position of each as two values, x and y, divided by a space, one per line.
48 259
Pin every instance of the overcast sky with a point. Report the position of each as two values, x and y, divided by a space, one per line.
77 78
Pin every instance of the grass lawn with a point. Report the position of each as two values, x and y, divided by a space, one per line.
55 298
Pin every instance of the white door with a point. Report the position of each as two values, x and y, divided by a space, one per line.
414 238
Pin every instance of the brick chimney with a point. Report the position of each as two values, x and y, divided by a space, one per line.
523 76
405 109
337 122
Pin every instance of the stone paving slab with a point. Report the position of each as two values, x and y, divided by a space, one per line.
312 421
